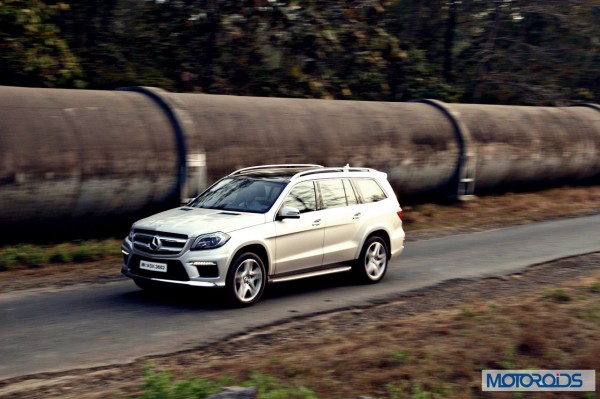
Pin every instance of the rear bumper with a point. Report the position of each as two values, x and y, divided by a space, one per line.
397 243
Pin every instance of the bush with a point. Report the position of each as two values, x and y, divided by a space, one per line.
26 254
8 258
88 251
161 385
62 253
39 255
269 388
33 256
557 295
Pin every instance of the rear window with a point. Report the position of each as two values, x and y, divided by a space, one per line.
370 190
333 193
350 194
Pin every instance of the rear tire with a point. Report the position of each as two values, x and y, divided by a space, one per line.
371 265
246 280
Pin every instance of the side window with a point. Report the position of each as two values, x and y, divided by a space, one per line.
350 194
302 197
370 190
333 193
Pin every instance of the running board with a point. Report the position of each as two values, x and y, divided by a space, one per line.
310 274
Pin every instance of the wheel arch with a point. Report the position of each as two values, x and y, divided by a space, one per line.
259 250
381 233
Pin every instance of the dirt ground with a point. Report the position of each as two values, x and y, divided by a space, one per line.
429 343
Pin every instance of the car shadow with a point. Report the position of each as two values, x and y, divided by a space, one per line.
178 297
211 299
308 285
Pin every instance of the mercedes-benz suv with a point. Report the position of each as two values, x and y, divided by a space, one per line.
267 224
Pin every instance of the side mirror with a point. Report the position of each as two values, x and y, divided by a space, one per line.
287 212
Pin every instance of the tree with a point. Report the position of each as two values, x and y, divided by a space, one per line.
33 51
490 51
523 52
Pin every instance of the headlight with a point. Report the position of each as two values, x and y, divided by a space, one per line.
130 236
210 241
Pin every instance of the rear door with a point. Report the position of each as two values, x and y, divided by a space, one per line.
342 216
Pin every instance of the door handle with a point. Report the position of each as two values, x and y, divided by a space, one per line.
356 215
317 222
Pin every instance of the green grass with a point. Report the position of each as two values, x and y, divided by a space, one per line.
557 295
415 390
466 311
402 356
163 385
508 362
270 388
62 254
33 255
25 254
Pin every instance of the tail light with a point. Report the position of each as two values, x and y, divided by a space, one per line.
400 213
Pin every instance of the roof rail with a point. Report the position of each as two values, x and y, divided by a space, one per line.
279 166
331 169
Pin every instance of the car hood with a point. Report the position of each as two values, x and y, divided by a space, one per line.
195 221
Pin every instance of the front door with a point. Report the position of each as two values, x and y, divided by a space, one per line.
299 242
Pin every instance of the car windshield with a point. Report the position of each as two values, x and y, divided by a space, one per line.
241 194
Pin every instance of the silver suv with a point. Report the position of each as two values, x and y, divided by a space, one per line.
268 224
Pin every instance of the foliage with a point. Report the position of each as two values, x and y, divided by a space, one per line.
87 251
269 388
34 255
62 254
33 52
498 51
557 295
163 385
25 254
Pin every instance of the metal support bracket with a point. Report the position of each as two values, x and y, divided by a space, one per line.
467 160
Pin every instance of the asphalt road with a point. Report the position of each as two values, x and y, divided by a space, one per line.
115 323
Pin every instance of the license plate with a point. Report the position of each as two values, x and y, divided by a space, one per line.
153 266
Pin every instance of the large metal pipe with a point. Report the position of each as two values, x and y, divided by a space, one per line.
85 159
413 142
517 146
82 158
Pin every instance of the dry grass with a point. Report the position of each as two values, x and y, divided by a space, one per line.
437 353
502 210
428 344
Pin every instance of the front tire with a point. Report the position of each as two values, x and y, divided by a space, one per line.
246 280
373 261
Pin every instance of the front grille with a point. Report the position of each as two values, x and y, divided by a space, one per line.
175 270
158 242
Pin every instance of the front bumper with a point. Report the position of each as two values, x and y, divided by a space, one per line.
190 283
189 268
